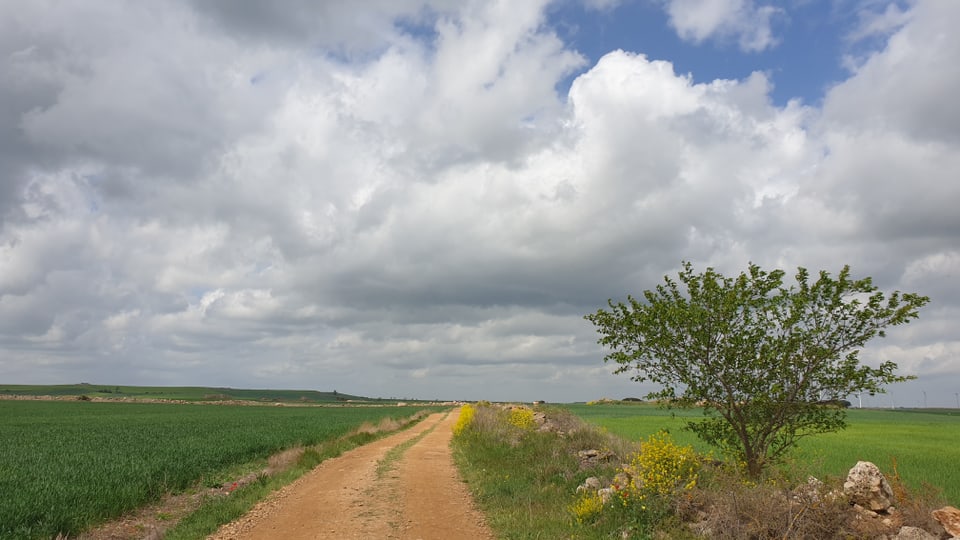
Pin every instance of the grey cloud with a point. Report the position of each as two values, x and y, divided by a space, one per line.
360 27
28 89
126 94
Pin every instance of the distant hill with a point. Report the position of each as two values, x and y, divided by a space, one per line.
188 393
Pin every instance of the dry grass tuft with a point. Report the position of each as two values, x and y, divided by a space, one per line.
367 428
731 508
389 424
487 419
916 505
283 460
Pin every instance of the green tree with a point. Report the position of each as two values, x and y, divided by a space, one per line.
759 357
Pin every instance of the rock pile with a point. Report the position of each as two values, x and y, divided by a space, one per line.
545 424
593 485
870 496
873 499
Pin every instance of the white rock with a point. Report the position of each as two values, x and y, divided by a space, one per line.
867 487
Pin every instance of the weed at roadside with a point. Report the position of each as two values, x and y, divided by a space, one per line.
524 480
464 420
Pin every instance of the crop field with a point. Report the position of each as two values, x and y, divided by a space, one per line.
922 444
188 393
65 465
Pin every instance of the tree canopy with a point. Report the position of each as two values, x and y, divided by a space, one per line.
758 356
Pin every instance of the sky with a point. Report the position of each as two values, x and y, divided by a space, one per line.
423 198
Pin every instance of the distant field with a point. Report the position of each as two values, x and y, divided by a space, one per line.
924 443
65 465
188 393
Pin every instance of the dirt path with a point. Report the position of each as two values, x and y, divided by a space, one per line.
404 486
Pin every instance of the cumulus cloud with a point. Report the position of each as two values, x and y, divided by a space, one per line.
879 20
907 88
749 24
201 195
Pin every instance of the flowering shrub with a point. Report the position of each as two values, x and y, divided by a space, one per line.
586 507
521 417
661 467
466 418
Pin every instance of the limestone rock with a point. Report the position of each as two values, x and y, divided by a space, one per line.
592 457
949 517
914 533
621 480
589 485
810 491
864 512
867 487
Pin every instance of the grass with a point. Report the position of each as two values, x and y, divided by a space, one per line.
526 483
67 465
524 480
922 444
638 420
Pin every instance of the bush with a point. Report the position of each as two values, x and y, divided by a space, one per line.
662 467
644 491
521 417
467 413
587 507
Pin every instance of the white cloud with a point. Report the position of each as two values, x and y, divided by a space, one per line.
875 21
907 87
701 20
425 215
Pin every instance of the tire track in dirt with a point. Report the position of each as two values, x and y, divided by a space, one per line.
417 496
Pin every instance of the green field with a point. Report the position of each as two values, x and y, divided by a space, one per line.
924 443
635 421
66 465
188 393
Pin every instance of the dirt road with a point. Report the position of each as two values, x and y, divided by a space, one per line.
404 486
